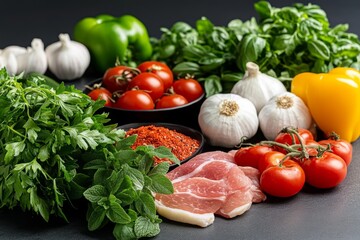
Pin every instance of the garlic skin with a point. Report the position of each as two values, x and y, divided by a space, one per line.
257 86
284 110
34 59
225 119
67 59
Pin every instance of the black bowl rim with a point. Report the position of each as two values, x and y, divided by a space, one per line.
147 110
173 126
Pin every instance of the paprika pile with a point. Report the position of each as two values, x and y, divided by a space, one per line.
333 99
181 145
111 38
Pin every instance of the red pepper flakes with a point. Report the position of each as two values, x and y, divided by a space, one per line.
181 146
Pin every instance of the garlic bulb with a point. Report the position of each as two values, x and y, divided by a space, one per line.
225 119
34 59
284 110
257 86
67 59
8 60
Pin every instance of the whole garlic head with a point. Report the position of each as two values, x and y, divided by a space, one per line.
34 59
67 59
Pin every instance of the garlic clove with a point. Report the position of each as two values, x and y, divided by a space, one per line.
67 59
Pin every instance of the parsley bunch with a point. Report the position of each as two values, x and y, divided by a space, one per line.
55 147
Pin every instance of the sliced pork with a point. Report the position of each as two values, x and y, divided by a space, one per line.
210 183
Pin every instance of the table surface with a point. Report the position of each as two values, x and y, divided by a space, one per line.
312 214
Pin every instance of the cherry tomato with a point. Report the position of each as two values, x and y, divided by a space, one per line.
290 139
135 100
325 171
339 147
117 78
160 69
287 138
150 83
283 180
189 88
172 100
249 156
271 158
102 94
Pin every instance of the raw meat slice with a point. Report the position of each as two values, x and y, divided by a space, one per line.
210 183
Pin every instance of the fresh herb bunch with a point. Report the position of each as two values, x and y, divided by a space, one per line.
283 42
55 148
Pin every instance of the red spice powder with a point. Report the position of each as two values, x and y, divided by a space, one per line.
181 146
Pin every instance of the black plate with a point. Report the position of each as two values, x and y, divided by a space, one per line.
194 134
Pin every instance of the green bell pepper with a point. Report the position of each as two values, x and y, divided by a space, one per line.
111 39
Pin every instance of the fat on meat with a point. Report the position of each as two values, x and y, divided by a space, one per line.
208 184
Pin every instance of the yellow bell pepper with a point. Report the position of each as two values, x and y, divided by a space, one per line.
333 99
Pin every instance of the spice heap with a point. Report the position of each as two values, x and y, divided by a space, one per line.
181 146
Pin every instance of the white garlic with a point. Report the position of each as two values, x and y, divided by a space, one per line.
34 59
8 60
225 119
257 86
284 110
67 59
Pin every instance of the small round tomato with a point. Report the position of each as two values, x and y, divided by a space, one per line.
135 100
160 69
283 180
116 79
249 156
170 101
102 94
339 147
325 171
189 88
148 82
271 158
290 138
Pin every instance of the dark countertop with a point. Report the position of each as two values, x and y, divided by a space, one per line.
312 214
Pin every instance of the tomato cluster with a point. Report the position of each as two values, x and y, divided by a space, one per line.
295 158
150 85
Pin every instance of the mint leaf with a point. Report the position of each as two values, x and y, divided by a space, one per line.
124 232
146 205
96 193
117 214
145 228
161 184
136 177
96 218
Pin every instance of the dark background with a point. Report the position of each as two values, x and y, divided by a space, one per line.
21 21
312 214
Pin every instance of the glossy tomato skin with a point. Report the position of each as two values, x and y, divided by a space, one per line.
116 79
326 171
290 139
103 94
190 88
283 180
249 156
135 100
269 159
286 138
170 101
340 147
150 83
160 69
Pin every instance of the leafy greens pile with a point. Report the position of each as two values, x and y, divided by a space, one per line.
283 42
55 148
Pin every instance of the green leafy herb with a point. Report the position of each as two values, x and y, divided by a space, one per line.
55 147
283 42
